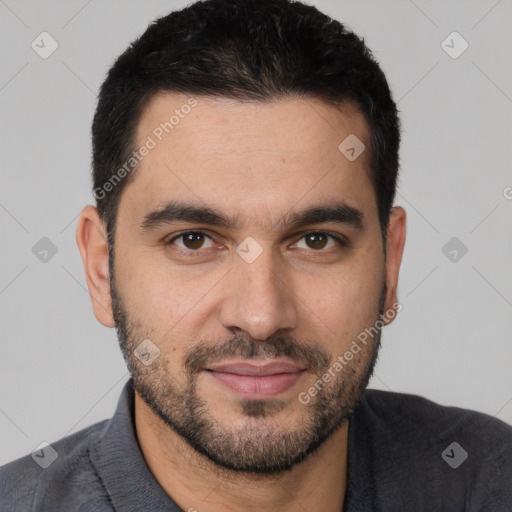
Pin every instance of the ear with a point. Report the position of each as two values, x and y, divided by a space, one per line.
91 239
395 242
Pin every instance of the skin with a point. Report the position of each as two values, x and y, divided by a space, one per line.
260 161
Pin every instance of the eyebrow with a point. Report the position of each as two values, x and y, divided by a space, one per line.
176 211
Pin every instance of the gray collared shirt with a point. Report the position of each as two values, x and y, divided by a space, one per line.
405 453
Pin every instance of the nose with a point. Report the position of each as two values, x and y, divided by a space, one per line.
259 298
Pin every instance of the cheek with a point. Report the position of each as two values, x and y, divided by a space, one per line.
167 303
345 303
173 304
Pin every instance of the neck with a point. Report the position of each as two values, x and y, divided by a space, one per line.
196 484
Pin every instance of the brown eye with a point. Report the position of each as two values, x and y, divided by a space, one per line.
191 240
319 240
316 240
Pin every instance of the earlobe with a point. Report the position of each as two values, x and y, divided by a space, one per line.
395 242
91 239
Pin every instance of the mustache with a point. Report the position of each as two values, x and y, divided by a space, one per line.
311 355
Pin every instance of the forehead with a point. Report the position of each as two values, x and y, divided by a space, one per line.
261 158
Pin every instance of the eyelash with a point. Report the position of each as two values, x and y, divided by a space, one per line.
342 241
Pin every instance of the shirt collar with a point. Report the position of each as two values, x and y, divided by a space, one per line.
132 487
120 464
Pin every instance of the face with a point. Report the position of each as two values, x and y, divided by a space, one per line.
248 251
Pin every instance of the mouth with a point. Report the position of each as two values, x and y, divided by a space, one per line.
257 381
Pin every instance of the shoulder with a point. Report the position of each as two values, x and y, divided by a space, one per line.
45 477
429 416
463 452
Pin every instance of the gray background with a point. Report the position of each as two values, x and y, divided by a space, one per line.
60 370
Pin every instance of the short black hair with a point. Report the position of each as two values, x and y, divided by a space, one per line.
256 50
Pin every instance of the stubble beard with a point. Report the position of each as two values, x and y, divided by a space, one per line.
261 446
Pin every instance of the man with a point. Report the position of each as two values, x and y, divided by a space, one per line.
246 248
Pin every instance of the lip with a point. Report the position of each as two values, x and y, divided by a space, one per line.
257 381
244 368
